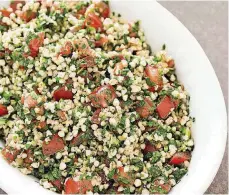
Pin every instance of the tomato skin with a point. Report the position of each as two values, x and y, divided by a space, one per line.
165 187
57 183
123 174
149 148
14 3
103 9
93 21
95 117
153 74
179 158
66 50
10 155
62 93
77 187
5 13
77 140
102 96
171 63
154 89
101 42
28 159
28 15
80 12
164 107
41 125
3 110
55 145
34 45
145 110
89 62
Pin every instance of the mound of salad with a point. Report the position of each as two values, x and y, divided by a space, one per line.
85 106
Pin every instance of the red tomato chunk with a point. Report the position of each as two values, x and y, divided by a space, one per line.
145 110
149 148
77 187
164 107
153 74
102 96
35 44
55 145
93 21
63 93
3 110
179 158
10 154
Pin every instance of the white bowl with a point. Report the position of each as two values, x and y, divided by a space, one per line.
195 72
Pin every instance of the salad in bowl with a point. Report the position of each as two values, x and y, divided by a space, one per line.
85 105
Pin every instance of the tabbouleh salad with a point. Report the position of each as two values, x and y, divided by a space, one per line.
85 106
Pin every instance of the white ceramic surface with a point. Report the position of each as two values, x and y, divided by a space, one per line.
197 75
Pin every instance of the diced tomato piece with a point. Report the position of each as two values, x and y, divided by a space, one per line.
63 93
29 158
35 44
29 101
81 12
28 15
77 140
93 21
171 63
101 42
5 13
153 74
22 68
88 61
58 184
165 187
145 110
66 50
121 173
103 9
62 115
149 148
102 96
3 110
14 3
121 57
179 158
95 117
55 145
154 88
164 107
77 187
41 125
10 154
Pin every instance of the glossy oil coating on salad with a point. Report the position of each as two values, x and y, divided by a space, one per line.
85 106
